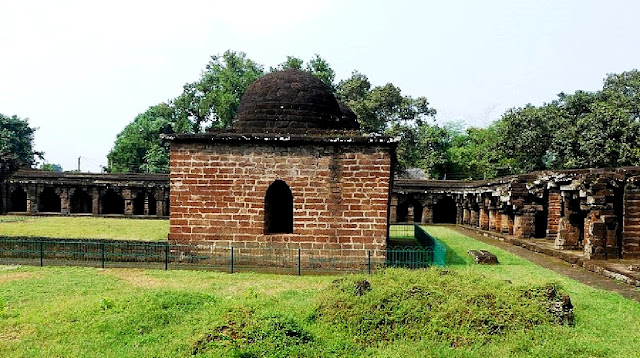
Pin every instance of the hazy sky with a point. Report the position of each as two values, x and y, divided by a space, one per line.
81 70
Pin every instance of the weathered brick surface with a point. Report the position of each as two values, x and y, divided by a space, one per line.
555 211
524 225
631 231
340 194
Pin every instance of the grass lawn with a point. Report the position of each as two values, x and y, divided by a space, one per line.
87 312
84 227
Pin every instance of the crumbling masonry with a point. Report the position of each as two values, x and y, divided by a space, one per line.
594 210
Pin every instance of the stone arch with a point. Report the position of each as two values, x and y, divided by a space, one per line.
278 209
49 201
112 202
445 211
18 200
80 202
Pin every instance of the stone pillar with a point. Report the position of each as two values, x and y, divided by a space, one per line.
64 200
600 235
410 215
95 202
504 226
3 197
524 223
160 207
492 219
475 214
128 203
570 226
393 209
427 214
459 214
498 220
466 216
160 202
554 210
484 218
631 223
32 198
146 203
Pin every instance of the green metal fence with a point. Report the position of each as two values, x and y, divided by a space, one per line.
209 256
432 244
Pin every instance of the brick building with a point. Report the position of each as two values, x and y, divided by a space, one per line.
293 172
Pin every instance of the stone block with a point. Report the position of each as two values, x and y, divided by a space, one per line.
483 257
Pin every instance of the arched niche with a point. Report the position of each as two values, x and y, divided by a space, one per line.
278 209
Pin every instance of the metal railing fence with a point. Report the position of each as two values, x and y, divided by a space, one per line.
208 256
430 243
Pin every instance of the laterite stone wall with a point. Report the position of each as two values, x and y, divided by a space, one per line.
340 194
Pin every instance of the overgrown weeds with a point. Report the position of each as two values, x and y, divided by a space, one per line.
459 307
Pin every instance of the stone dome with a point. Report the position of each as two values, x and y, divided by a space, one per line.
290 101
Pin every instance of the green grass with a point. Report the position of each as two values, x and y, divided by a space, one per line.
467 310
84 227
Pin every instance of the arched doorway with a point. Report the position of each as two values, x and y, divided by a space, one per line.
278 209
18 200
80 202
49 201
112 203
445 211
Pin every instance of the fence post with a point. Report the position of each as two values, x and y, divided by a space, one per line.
166 257
102 254
41 253
231 259
299 268
369 261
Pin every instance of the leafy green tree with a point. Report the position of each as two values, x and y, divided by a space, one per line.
48 167
139 148
475 153
290 63
213 101
16 144
215 97
384 110
525 136
378 108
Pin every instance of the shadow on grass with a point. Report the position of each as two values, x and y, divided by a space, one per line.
453 258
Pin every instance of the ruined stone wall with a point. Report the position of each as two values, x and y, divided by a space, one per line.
631 226
596 211
70 193
340 194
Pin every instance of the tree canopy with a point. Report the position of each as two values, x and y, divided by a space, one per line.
16 144
579 130
213 100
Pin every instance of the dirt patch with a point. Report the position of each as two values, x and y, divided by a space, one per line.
138 278
14 334
270 287
15 276
141 278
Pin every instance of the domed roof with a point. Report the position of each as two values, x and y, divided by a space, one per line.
290 101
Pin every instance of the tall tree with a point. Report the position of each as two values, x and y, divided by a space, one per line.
139 148
384 110
16 144
214 99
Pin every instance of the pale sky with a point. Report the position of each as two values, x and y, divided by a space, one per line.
82 70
